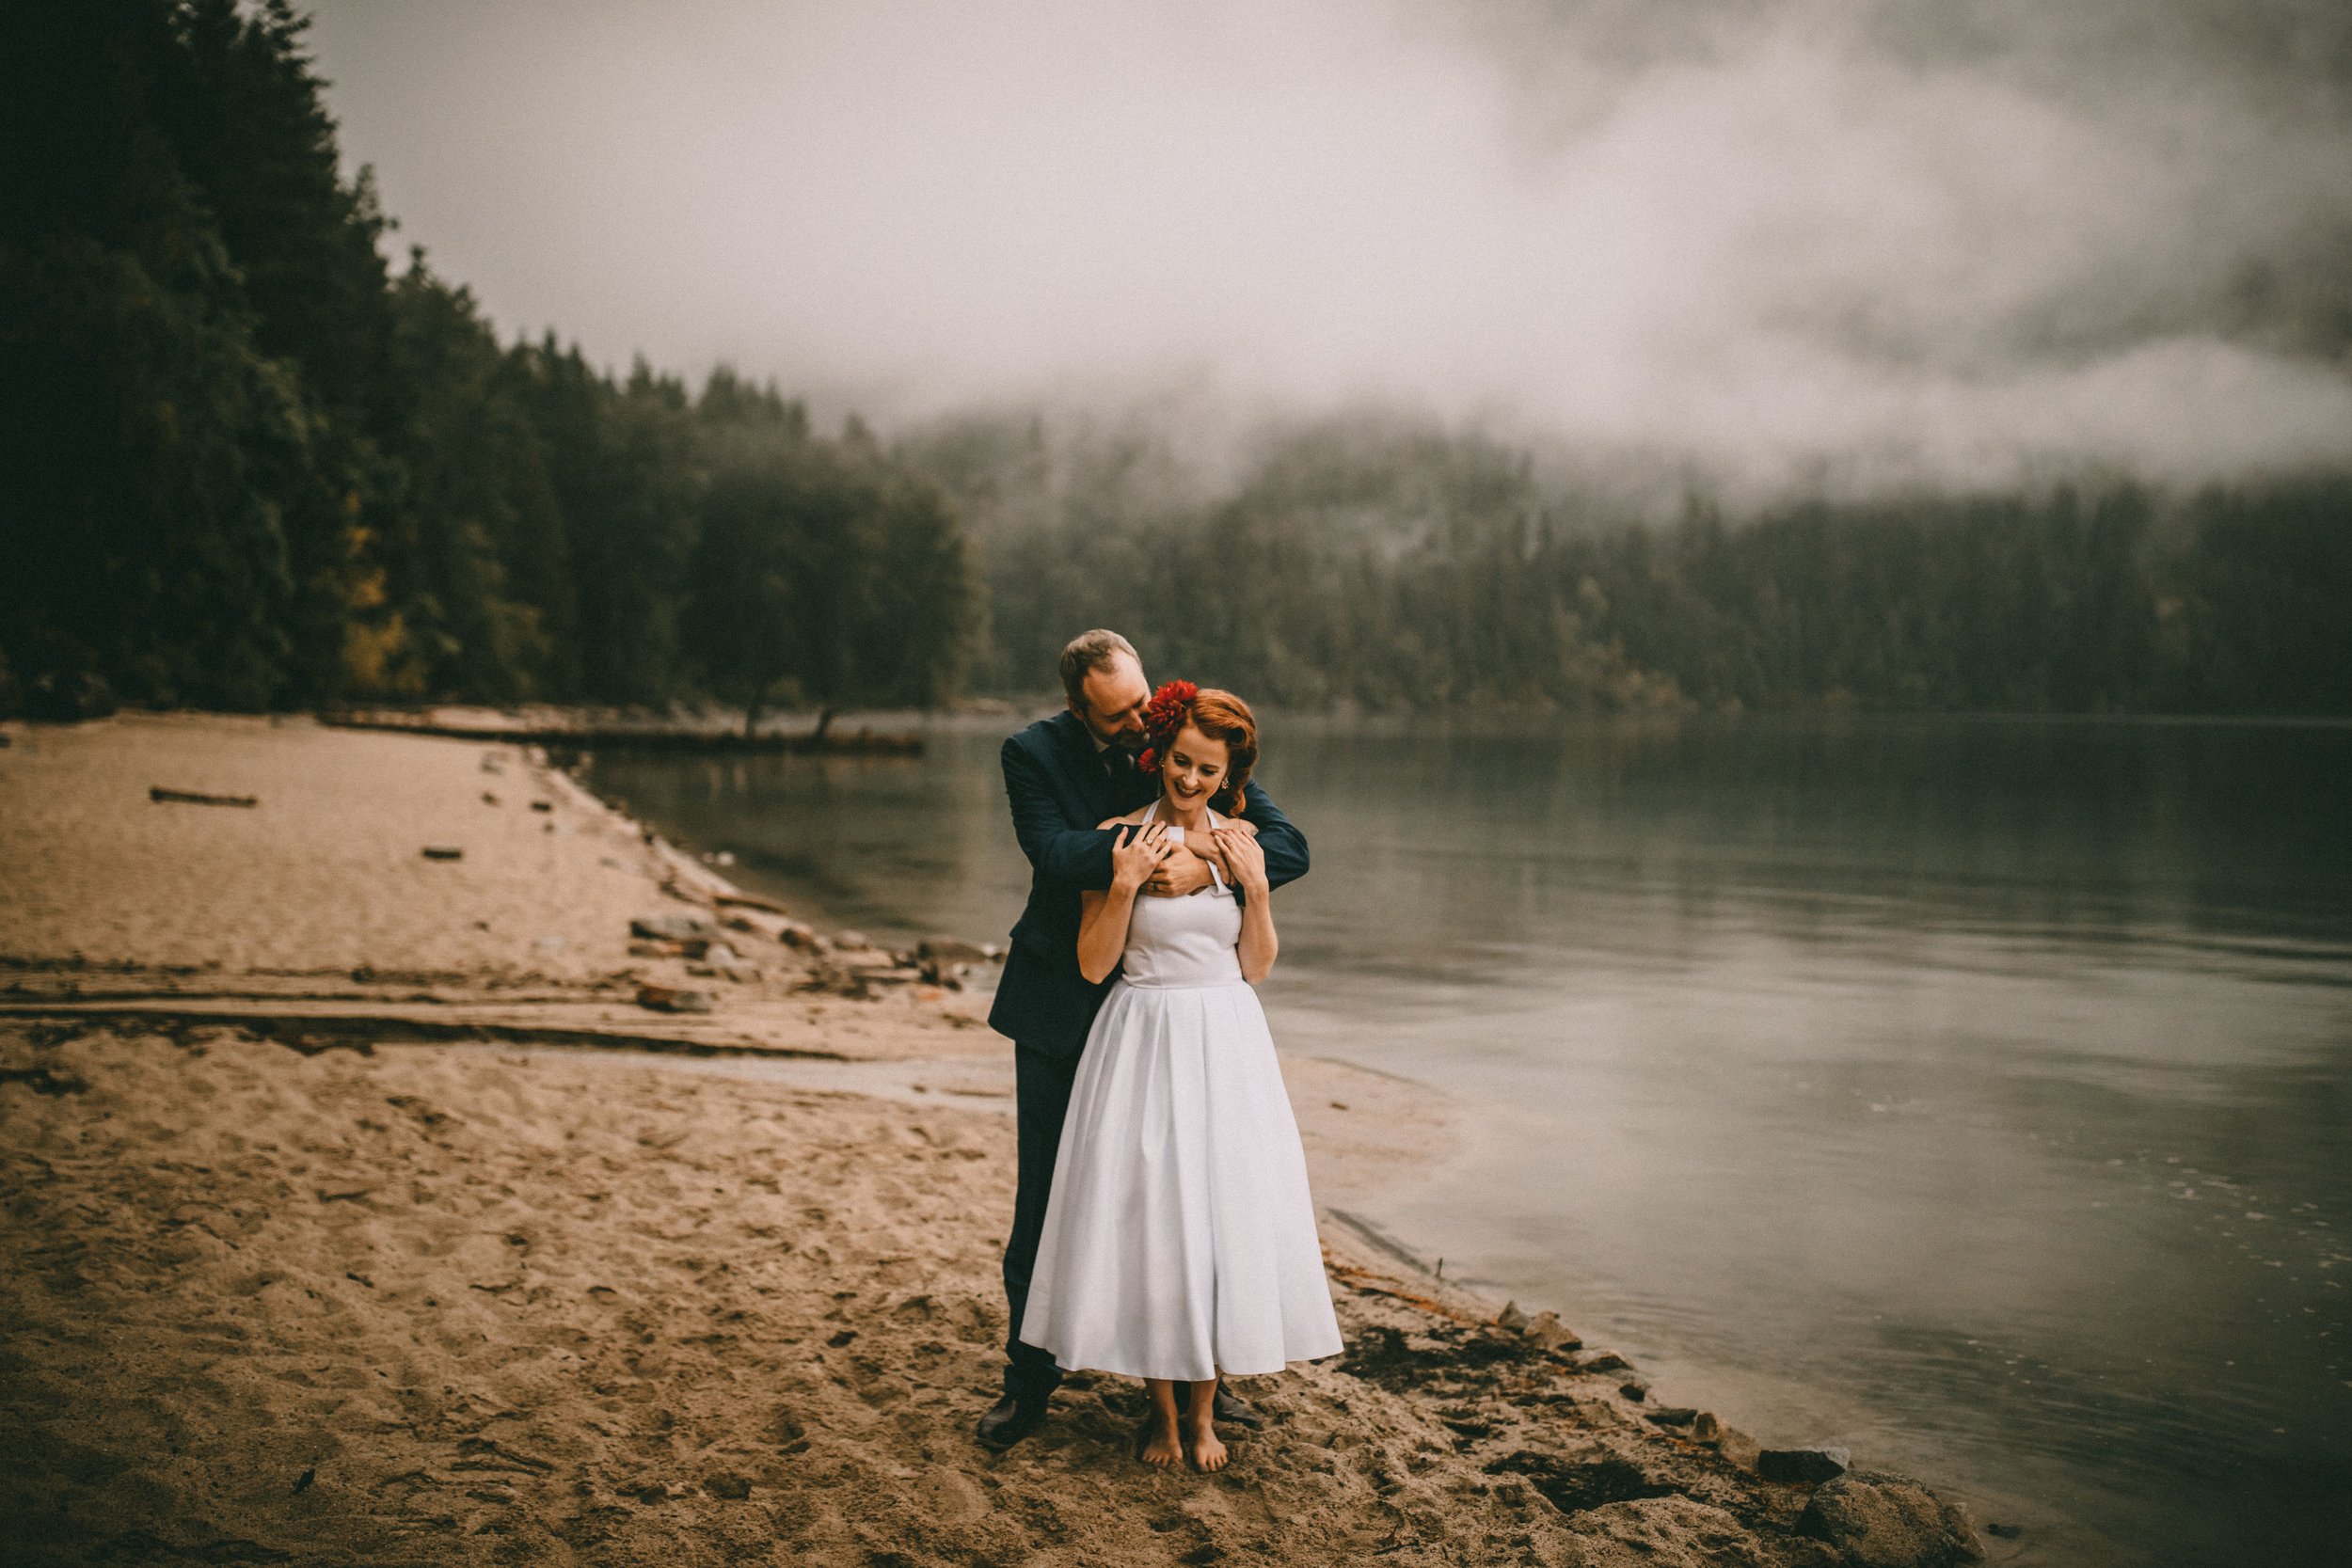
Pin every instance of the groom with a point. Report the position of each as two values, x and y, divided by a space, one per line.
1063 775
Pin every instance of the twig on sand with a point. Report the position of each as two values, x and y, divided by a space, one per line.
1361 1282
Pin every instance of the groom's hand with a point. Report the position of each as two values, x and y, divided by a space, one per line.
1182 873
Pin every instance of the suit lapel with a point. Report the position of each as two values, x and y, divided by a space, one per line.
1085 765
1131 790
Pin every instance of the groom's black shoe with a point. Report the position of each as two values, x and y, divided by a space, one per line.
1234 1411
1011 1419
1229 1409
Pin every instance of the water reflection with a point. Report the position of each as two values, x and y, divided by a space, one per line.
1974 1092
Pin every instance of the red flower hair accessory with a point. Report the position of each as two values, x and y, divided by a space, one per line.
1162 716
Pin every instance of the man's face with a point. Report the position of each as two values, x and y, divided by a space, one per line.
1112 703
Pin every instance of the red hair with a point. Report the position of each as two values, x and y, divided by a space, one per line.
1218 715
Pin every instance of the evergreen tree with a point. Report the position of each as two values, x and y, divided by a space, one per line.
481 571
154 461
825 572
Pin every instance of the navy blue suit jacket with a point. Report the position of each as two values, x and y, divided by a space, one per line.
1058 790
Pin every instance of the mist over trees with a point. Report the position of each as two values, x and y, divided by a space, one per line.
244 463
1356 561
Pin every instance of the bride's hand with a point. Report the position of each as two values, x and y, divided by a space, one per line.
1245 861
1136 855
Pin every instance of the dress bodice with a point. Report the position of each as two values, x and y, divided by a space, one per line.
1183 942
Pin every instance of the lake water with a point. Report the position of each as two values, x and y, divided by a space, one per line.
1974 1093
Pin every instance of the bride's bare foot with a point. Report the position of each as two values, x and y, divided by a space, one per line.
1202 1448
1162 1446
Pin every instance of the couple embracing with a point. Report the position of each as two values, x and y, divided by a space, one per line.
1164 1228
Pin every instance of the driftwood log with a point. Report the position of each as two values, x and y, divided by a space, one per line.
161 796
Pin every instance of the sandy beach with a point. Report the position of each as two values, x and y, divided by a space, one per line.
366 1205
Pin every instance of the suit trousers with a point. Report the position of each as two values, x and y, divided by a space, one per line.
1041 1084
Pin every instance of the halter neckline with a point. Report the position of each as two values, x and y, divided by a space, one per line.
1152 814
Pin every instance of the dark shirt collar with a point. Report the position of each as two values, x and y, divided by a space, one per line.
1083 728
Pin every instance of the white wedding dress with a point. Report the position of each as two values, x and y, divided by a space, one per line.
1179 1239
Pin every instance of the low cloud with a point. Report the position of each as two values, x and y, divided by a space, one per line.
1839 246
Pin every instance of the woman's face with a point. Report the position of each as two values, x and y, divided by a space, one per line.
1195 769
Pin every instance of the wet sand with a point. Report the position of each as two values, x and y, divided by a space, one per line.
358 1212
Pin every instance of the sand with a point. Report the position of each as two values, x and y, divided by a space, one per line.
357 1213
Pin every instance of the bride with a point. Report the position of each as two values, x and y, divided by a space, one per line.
1180 1240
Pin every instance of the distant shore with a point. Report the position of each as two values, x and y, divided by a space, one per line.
379 1195
577 731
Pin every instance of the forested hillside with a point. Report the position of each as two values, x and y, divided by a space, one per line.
246 464
1358 561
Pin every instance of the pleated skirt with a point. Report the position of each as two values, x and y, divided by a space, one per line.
1180 1237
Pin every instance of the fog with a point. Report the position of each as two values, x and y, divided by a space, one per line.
1776 246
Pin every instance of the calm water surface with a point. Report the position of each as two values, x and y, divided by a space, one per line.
1976 1093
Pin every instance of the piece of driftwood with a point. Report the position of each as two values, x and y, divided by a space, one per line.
158 794
750 901
443 852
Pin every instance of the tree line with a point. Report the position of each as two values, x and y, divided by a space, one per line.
1353 562
246 464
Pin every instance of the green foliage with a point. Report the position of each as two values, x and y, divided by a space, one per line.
1364 563
2253 611
160 475
242 465
476 545
249 122
824 573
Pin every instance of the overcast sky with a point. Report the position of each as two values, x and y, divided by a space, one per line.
1958 240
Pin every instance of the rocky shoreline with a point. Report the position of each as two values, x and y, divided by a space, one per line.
558 1200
